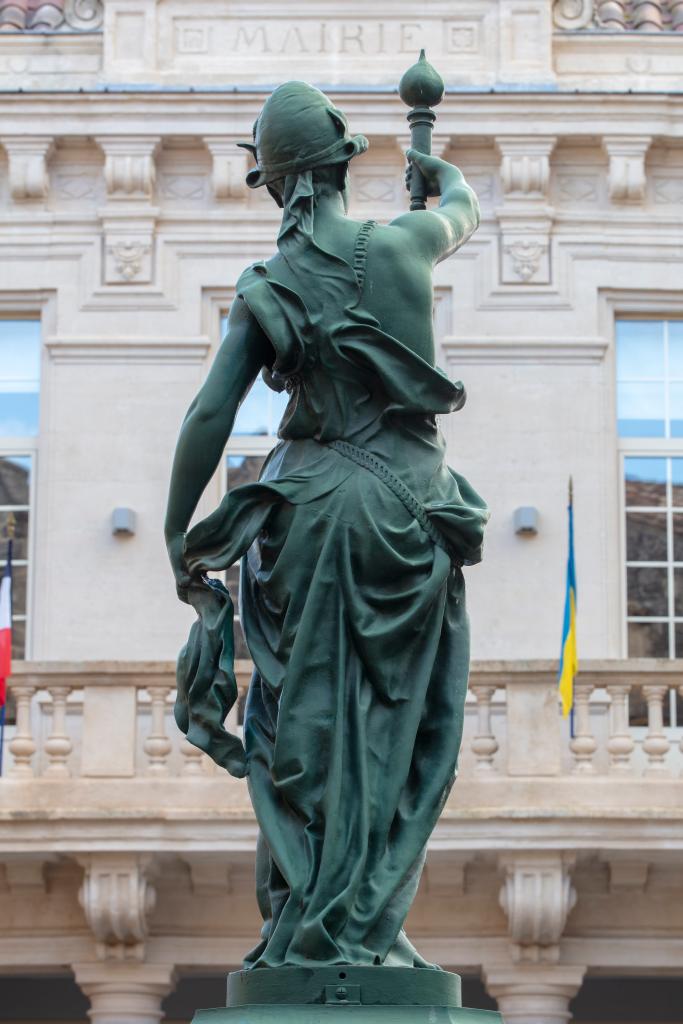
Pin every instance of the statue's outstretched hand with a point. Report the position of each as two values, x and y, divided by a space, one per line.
432 169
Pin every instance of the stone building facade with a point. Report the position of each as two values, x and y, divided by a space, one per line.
553 881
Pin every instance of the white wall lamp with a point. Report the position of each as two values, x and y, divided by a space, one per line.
526 521
123 522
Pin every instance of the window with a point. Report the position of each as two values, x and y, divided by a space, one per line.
253 436
19 414
650 427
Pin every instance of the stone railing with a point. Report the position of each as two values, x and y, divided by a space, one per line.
114 720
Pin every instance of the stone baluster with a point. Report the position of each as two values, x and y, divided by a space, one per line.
484 744
583 745
192 759
22 746
620 744
58 746
655 744
157 744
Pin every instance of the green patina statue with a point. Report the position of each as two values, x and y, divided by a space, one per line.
352 546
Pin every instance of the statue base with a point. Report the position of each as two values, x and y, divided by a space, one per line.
359 995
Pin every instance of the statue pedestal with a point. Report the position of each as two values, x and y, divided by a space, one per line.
344 995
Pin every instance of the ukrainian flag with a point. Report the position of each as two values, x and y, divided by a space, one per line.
569 661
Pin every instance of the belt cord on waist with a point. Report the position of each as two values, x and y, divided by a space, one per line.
369 461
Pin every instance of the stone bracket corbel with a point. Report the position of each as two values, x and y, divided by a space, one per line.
229 166
627 179
117 896
28 157
525 217
537 896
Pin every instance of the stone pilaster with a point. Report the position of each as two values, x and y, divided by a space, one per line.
128 219
124 993
525 216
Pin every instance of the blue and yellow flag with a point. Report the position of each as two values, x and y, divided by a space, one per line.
569 660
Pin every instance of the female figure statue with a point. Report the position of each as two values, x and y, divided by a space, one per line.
352 545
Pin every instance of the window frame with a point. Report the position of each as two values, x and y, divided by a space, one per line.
27 446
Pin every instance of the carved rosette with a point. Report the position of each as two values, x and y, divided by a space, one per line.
84 15
116 896
537 896
573 15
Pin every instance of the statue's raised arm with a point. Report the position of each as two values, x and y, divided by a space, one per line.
352 546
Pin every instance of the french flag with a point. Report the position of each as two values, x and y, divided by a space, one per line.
5 638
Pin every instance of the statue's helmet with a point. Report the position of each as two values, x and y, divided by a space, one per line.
297 130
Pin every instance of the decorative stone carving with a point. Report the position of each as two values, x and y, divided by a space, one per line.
230 164
525 164
534 994
129 168
84 15
525 256
571 15
627 179
577 188
116 896
28 157
128 258
537 896
125 993
525 218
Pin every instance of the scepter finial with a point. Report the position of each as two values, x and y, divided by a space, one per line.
421 88
421 85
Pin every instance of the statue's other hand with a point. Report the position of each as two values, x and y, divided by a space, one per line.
431 168
175 545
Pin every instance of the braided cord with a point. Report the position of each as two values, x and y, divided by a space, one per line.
369 461
360 252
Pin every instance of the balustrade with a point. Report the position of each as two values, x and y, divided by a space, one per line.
69 716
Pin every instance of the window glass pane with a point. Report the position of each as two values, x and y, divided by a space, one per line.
640 410
261 411
20 354
640 349
243 469
676 348
15 477
677 483
20 546
648 640
647 591
678 592
637 708
646 536
18 639
678 536
679 654
676 410
18 585
18 414
645 481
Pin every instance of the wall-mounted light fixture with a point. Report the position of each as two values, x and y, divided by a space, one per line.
123 522
526 521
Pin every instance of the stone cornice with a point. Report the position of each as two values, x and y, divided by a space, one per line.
467 116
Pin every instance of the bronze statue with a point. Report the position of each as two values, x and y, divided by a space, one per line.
352 546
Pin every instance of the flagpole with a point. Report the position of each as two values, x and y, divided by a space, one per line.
10 530
571 513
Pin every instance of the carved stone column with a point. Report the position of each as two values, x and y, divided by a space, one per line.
125 993
28 156
116 896
627 179
128 220
534 994
537 896
525 217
